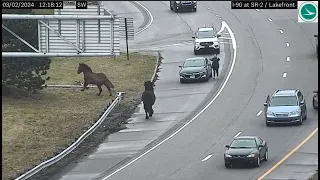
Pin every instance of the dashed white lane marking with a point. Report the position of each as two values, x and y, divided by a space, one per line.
257 10
204 5
284 75
288 59
206 158
208 8
220 18
217 15
288 44
270 19
212 11
259 113
237 134
281 31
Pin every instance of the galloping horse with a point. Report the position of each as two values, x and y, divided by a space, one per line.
148 98
90 77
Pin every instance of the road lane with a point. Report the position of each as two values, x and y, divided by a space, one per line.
261 62
175 101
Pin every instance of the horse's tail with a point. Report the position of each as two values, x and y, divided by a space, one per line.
108 83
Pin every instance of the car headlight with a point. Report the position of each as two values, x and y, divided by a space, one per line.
194 1
197 43
227 155
252 155
178 2
216 43
295 113
269 113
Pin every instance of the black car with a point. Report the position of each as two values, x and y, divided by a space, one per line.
183 5
246 149
195 69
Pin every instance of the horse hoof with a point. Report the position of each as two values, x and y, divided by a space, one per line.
150 115
98 94
110 95
82 89
147 117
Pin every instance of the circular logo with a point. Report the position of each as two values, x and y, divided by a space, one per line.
308 11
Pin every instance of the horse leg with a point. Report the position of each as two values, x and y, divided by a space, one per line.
100 90
85 84
151 112
109 89
145 110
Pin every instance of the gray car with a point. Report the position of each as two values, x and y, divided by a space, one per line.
285 106
195 69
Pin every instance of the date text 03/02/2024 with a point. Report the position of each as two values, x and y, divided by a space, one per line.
32 4
264 4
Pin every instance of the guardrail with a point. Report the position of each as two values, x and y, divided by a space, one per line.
33 171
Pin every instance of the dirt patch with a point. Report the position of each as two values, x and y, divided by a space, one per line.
35 129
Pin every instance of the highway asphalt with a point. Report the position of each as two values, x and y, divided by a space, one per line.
273 51
175 102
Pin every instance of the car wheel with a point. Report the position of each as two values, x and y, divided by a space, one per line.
171 8
206 79
195 52
268 124
305 115
195 9
227 165
314 105
181 81
258 162
218 51
266 156
300 121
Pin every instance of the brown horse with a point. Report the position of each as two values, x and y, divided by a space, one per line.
90 77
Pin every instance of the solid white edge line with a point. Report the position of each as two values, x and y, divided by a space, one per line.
206 158
281 31
237 134
284 75
288 44
234 46
288 59
270 19
259 113
149 14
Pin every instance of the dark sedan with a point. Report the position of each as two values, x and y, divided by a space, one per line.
246 149
195 69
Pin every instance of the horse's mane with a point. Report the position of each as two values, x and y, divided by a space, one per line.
85 67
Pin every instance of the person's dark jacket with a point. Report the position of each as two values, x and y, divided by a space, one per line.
215 63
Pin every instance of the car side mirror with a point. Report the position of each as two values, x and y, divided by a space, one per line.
227 146
218 35
193 37
265 104
180 66
315 91
315 35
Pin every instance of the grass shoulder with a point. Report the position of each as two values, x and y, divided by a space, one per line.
35 128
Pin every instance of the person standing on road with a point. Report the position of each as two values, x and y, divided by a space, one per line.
215 65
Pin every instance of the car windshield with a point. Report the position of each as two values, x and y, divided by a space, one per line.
243 143
206 34
284 101
194 63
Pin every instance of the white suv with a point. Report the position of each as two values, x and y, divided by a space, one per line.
206 39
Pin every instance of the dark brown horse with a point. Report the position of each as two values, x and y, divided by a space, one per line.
90 77
148 98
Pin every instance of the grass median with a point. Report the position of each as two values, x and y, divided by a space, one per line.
34 128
